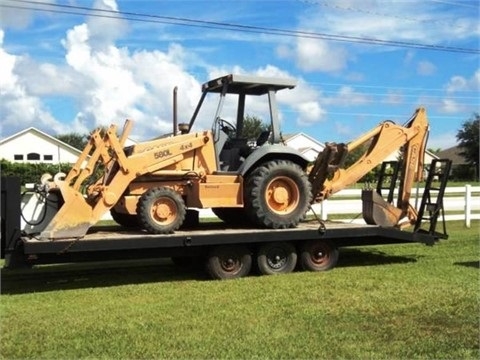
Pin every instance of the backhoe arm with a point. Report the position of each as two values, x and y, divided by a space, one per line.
328 175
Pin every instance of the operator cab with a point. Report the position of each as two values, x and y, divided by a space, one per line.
231 147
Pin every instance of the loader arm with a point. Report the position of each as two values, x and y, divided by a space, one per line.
80 211
328 175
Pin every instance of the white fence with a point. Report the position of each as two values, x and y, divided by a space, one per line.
459 203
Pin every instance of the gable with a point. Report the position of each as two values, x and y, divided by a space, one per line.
32 145
302 141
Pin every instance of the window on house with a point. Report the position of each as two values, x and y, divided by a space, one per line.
17 157
48 157
33 156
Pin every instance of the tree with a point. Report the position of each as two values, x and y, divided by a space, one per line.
468 141
76 140
252 127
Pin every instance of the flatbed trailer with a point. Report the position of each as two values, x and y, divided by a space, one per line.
228 252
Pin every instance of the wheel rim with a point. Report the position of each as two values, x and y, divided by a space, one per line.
230 264
276 258
319 255
164 211
282 195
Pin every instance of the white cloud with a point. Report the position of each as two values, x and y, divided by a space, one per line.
451 106
394 98
393 20
20 109
320 55
347 96
16 18
460 83
426 68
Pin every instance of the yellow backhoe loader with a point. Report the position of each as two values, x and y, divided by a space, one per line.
152 185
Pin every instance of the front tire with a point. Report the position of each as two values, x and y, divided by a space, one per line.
161 210
277 195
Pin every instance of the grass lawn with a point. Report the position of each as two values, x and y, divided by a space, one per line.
384 302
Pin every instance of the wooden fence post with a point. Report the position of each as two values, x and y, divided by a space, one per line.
468 205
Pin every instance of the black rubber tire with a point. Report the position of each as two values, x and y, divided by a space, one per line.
231 216
276 258
271 183
318 255
161 210
125 220
229 262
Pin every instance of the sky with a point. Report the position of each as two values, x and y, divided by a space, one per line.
71 66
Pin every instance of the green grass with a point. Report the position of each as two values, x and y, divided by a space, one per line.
396 301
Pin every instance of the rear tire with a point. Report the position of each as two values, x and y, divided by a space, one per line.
161 210
318 255
277 195
229 262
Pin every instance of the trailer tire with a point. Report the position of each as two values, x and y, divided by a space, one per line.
229 262
318 255
161 210
277 195
276 258
125 220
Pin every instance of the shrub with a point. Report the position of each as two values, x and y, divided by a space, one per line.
31 172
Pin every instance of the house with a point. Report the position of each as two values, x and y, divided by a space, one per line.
453 154
35 146
308 146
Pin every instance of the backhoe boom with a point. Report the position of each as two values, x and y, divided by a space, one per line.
328 176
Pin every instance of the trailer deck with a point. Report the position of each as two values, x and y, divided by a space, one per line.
115 238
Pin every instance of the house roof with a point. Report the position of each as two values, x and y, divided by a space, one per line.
288 137
41 134
453 154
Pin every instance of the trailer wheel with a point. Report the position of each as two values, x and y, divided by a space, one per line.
318 255
229 262
277 195
161 210
126 220
276 258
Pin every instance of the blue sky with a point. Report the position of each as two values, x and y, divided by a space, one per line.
63 69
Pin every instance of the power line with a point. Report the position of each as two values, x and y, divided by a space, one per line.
382 15
180 21
456 3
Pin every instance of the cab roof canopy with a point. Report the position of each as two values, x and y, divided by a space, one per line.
248 85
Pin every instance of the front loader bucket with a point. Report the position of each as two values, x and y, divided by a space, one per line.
73 219
377 211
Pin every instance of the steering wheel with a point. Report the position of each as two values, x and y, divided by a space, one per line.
227 127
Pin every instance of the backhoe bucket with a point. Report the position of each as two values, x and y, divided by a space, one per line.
73 219
377 211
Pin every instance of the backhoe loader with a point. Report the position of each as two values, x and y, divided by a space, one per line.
152 185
